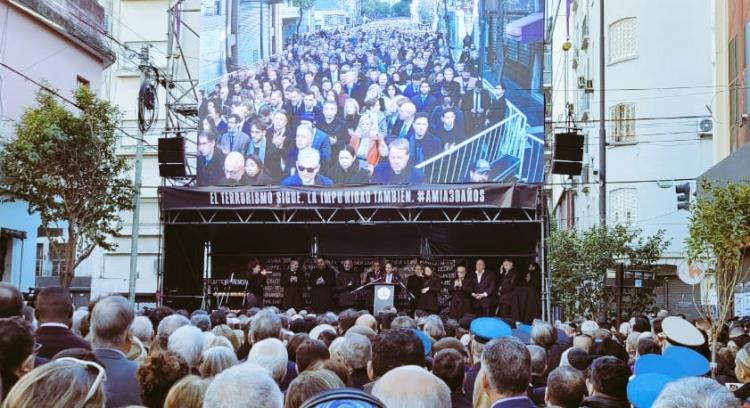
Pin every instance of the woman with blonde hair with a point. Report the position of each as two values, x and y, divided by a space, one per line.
64 383
368 143
225 331
187 393
216 360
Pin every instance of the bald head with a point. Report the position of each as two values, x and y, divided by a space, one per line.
11 301
412 387
234 166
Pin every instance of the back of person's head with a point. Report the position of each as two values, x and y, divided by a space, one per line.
170 324
156 375
293 343
201 321
696 392
448 365
544 335
143 329
243 386
386 318
566 387
347 319
648 346
364 331
310 352
53 304
394 348
225 331
367 320
80 354
187 341
265 324
583 342
60 384
355 351
309 383
448 343
642 324
270 354
340 369
412 387
187 393
16 346
110 322
158 314
609 375
507 366
327 337
434 328
216 360
403 322
538 359
451 327
11 301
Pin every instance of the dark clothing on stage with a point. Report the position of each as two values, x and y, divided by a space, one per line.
255 284
525 305
506 283
346 282
429 301
351 176
293 290
414 284
460 299
322 295
487 284
382 278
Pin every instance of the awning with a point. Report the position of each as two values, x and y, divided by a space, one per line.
527 29
734 168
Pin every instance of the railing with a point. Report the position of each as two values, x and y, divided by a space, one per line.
506 139
531 168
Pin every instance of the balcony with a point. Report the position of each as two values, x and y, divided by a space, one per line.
81 19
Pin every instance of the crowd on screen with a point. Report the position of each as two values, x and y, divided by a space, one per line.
106 355
345 107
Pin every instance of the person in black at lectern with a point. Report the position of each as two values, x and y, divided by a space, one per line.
293 282
323 282
348 280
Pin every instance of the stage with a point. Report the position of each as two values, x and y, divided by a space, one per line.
210 233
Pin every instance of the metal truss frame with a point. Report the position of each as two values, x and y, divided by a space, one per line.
351 216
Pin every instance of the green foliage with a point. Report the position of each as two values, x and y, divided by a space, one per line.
719 238
401 9
64 165
375 9
578 261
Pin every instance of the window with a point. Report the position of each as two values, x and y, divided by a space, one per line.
81 81
623 205
39 259
622 40
622 123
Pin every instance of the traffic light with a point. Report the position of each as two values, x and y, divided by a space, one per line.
683 196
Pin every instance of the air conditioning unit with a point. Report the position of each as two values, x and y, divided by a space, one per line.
704 128
589 86
581 82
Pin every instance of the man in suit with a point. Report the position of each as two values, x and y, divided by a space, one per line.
424 145
402 128
398 169
424 102
498 106
210 168
332 73
310 108
483 290
389 275
347 280
234 140
234 171
258 140
475 105
54 311
323 281
507 368
110 326
293 282
506 283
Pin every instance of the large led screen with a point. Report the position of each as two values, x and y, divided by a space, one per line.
364 92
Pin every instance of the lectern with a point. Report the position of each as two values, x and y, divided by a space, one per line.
384 296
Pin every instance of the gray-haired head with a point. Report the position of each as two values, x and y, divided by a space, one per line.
201 321
143 329
566 387
543 334
507 365
696 392
356 350
538 359
270 354
170 324
412 387
265 324
434 327
110 322
217 359
403 322
187 341
243 386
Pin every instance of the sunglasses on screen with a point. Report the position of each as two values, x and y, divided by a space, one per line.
306 169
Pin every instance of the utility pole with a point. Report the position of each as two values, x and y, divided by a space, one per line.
602 124
138 169
482 45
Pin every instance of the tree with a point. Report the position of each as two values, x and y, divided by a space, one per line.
578 261
64 165
376 9
719 240
302 6
401 9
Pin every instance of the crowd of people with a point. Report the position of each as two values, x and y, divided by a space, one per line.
106 355
345 107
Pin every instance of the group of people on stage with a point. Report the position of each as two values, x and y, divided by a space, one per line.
480 292
343 108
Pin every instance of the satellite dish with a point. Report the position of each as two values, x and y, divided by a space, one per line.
690 274
706 125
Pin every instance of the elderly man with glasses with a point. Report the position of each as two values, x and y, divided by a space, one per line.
306 171
234 171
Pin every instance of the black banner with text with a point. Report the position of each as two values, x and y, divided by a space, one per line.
381 196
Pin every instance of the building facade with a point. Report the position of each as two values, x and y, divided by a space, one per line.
659 130
69 50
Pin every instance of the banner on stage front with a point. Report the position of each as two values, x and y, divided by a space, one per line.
436 196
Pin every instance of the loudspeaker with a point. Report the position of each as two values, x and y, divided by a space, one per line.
567 158
171 149
171 156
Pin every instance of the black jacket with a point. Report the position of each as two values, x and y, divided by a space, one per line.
603 401
293 290
487 285
55 339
